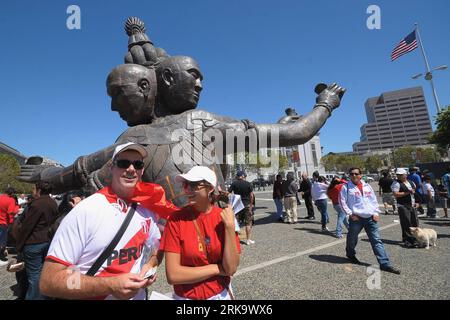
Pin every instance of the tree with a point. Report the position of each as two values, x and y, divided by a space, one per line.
9 169
409 156
441 137
336 162
373 163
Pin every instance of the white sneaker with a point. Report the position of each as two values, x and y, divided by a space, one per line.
3 263
249 242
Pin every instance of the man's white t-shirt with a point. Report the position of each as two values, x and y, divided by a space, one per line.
395 187
429 187
319 191
89 228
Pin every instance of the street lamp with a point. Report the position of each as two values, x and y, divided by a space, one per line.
429 77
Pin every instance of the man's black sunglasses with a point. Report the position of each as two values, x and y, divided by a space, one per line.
125 164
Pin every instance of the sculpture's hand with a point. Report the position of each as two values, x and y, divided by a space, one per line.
330 96
143 54
140 48
32 169
31 172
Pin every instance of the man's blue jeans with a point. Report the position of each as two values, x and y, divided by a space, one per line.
341 219
322 206
34 255
371 228
3 237
279 205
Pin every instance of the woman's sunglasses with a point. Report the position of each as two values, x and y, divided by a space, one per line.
193 186
125 164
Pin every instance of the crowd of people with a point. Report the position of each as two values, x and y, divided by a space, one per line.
114 240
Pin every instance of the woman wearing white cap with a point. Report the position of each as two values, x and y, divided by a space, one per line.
200 243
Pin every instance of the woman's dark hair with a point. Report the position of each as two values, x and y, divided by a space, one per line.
10 191
64 207
334 182
321 179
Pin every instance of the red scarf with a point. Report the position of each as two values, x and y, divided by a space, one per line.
149 195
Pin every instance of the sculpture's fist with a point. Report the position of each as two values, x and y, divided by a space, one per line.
31 170
140 48
329 96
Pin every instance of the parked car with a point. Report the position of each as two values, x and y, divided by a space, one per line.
260 183
368 179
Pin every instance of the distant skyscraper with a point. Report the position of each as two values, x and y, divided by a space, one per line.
395 119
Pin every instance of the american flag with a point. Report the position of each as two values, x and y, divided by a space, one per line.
408 44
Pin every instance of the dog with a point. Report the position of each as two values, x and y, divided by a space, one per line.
424 236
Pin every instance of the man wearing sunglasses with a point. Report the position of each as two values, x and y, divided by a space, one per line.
86 231
359 201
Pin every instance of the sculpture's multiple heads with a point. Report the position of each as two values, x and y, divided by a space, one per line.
176 81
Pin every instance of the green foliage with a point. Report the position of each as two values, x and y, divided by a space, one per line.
9 169
441 137
373 163
409 156
337 162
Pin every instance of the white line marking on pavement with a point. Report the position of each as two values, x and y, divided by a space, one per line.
329 202
299 254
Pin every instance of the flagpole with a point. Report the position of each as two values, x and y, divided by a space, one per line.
428 75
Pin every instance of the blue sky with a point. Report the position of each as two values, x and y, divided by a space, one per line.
257 57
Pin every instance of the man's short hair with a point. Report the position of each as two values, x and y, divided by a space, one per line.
354 168
241 173
10 191
45 187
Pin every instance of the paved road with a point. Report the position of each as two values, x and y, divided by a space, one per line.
300 262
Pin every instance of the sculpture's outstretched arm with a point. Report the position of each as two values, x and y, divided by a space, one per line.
287 134
72 177
302 130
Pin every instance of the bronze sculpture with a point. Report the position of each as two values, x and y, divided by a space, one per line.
160 125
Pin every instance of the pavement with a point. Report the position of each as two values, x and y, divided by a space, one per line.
299 262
